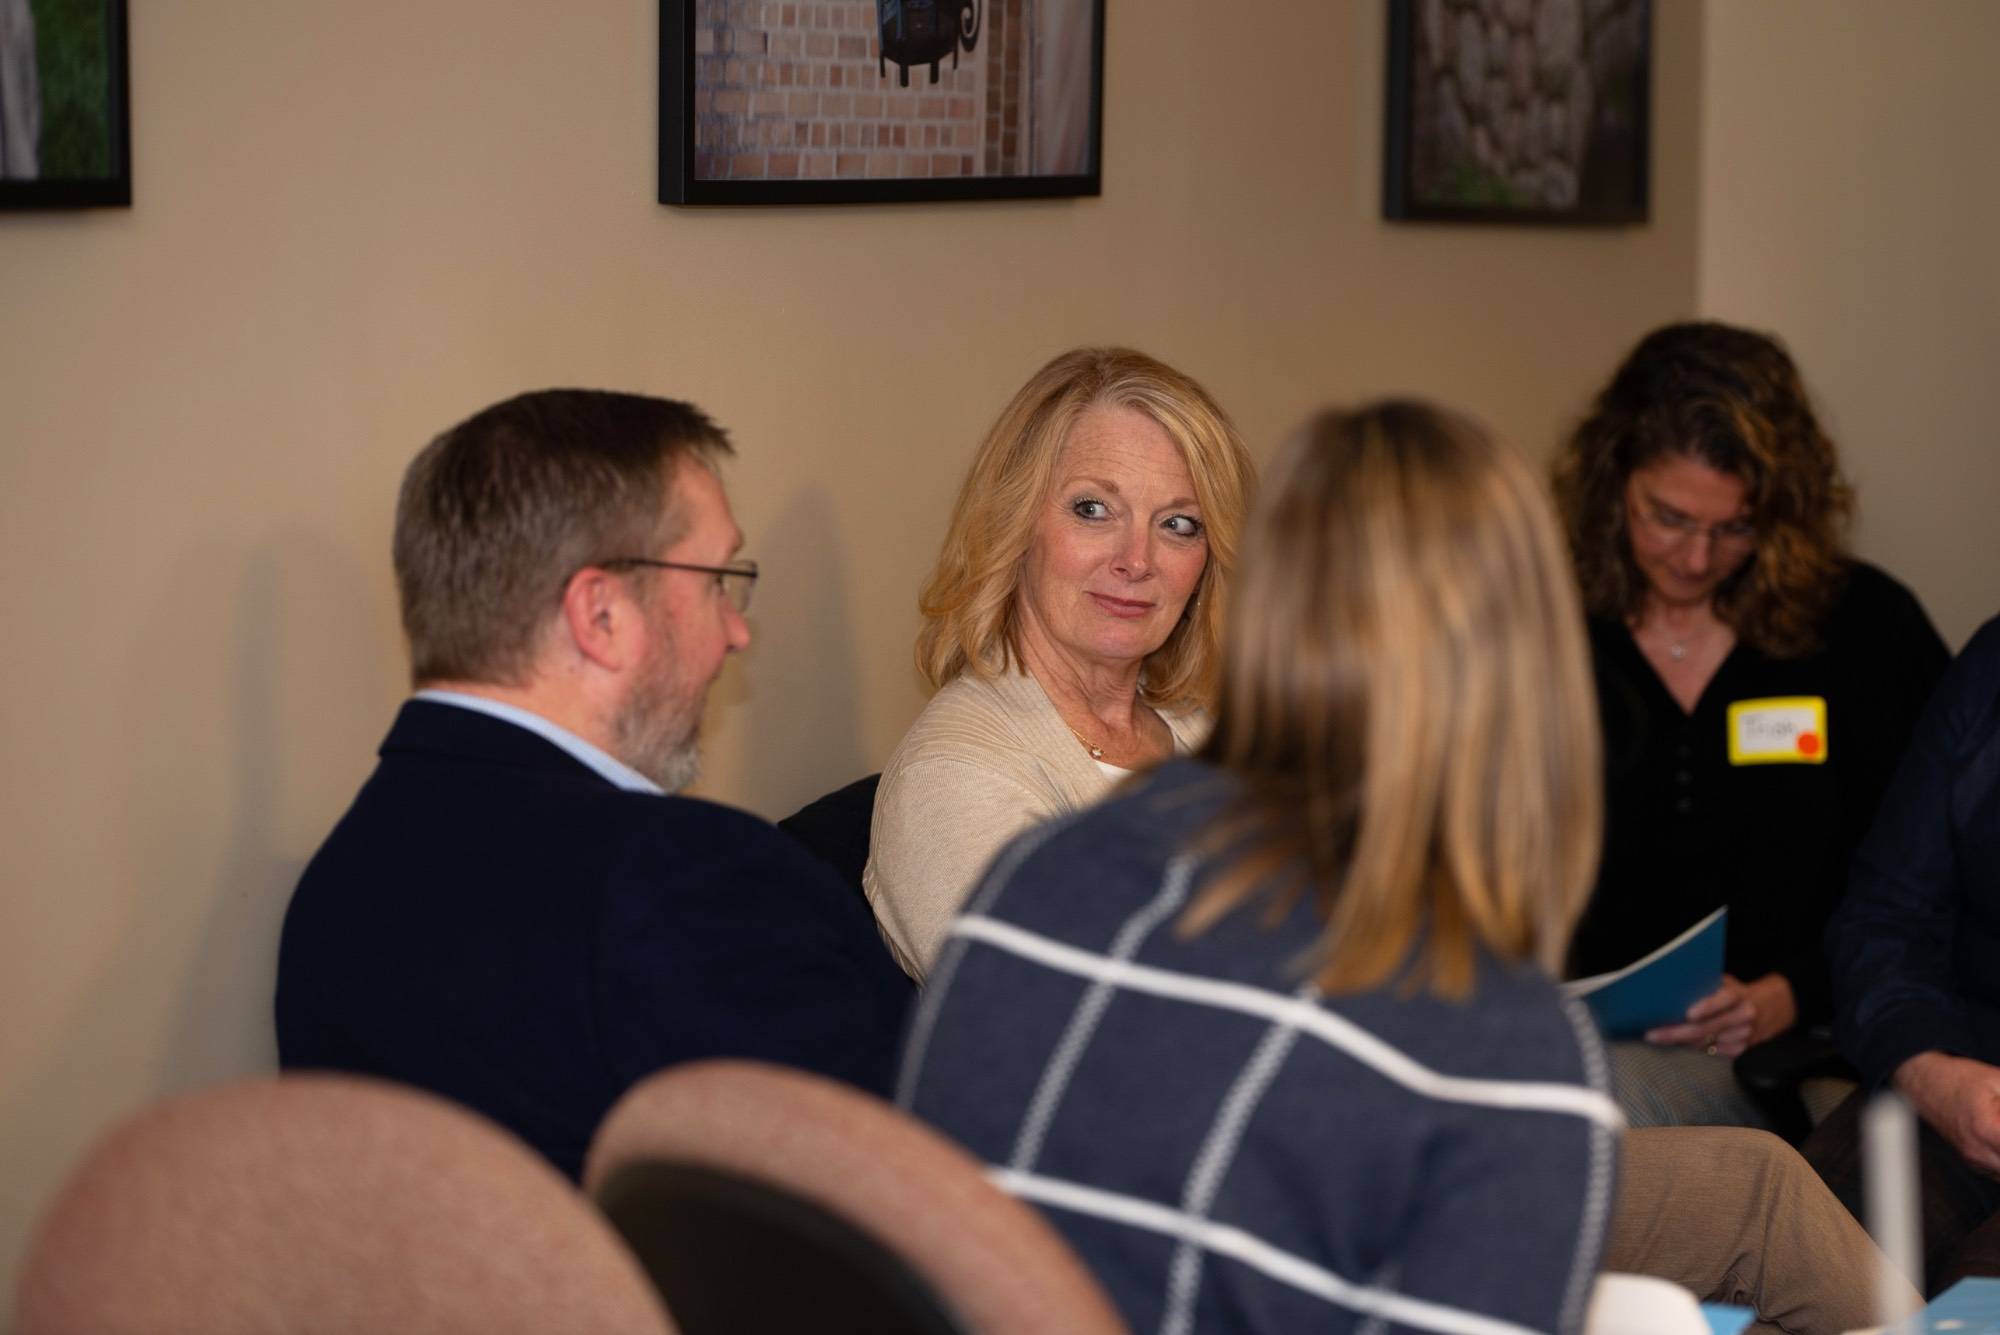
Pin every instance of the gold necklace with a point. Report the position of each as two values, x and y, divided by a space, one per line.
1096 751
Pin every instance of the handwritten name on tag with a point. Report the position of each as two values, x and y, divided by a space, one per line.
1781 730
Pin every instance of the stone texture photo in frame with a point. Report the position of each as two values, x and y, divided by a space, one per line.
834 101
1529 111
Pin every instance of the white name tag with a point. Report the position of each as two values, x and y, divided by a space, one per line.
1782 730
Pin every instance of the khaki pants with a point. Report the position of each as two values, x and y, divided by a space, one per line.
1736 1216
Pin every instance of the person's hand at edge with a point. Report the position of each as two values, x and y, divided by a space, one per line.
1960 1099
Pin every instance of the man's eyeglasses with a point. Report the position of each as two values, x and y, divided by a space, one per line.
733 582
1676 528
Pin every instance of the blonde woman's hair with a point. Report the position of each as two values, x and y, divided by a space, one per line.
970 609
1407 700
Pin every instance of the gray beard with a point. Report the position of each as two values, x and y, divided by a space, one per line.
675 767
657 740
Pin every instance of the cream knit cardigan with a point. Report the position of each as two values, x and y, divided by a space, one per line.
985 760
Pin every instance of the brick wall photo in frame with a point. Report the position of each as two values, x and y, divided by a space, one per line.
862 101
64 133
1528 111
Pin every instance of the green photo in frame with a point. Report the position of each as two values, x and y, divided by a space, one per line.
64 125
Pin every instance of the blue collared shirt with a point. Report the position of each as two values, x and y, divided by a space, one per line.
613 769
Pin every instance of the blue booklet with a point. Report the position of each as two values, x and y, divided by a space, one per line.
1659 988
1969 1307
1724 1319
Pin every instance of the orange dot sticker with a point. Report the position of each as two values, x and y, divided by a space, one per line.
1808 743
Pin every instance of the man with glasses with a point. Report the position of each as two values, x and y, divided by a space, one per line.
517 912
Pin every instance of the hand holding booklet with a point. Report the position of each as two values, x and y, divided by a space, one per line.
1658 988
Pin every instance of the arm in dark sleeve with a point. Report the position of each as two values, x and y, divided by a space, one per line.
741 944
1897 659
1889 945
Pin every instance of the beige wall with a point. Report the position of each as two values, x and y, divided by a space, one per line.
358 222
1849 202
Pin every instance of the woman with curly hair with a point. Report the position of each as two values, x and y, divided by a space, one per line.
1756 682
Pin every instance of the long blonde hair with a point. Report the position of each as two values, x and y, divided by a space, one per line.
1407 700
971 614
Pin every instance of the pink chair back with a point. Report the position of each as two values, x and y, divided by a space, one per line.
325 1203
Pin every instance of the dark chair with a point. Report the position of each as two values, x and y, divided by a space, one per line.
762 1199
836 827
1774 1073
733 1254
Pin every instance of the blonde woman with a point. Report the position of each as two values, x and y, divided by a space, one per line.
1271 1034
1070 627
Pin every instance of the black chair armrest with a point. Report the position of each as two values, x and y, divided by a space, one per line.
1772 1072
836 827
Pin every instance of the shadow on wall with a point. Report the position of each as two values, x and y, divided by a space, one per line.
798 693
179 994
315 657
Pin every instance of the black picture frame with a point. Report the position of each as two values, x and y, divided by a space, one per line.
85 139
688 149
1515 151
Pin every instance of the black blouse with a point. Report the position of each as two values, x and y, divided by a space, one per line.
1688 830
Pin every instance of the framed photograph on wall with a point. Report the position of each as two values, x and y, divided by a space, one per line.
859 101
65 138
1530 111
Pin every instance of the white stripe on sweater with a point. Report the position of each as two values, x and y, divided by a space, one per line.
1218 1153
930 997
1226 1240
1590 1235
1331 1029
1083 1022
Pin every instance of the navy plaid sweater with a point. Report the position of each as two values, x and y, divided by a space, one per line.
1229 1150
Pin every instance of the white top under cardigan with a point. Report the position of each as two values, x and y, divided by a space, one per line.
985 760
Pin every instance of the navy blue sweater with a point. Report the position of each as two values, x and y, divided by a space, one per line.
1230 1150
1916 944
